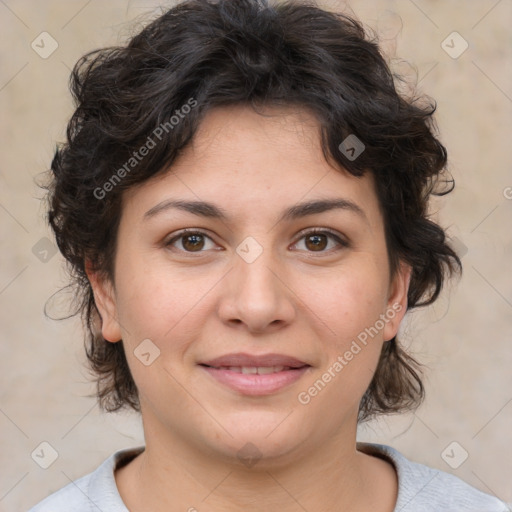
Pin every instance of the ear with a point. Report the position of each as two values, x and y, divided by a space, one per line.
104 297
397 300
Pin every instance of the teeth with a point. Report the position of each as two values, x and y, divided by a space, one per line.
260 370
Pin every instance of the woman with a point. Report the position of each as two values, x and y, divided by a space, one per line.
243 203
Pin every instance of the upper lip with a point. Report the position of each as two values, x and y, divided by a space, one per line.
241 359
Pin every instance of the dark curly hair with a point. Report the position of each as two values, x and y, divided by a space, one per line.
199 55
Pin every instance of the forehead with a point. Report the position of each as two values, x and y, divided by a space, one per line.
249 161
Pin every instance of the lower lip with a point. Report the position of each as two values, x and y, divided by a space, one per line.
254 384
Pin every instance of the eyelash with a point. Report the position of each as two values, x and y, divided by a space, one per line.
315 231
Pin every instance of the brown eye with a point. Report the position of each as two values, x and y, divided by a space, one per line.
316 242
322 241
190 241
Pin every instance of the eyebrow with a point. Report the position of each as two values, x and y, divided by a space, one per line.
210 210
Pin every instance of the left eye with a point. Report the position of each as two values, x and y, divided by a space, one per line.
314 241
318 241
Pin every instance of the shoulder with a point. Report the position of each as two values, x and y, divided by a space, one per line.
425 489
96 490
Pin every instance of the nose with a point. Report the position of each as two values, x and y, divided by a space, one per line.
257 295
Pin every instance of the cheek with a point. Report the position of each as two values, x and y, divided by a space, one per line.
346 300
163 307
161 302
347 305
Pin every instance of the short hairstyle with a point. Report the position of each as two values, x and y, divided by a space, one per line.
202 54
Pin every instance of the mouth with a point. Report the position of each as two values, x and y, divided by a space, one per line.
253 370
255 375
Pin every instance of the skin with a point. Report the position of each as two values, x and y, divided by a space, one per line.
296 298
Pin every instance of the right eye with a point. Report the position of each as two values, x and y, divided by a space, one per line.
190 240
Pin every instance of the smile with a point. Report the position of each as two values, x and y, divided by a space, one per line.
253 383
260 370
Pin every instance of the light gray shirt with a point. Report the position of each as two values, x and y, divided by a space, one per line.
420 488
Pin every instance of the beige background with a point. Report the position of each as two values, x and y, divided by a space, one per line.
465 340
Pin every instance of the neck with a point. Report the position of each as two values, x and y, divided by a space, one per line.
170 475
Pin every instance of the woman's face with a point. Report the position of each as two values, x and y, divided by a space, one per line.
251 328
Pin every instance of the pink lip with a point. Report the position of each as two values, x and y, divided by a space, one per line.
242 359
254 384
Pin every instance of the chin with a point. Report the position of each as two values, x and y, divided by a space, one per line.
257 439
